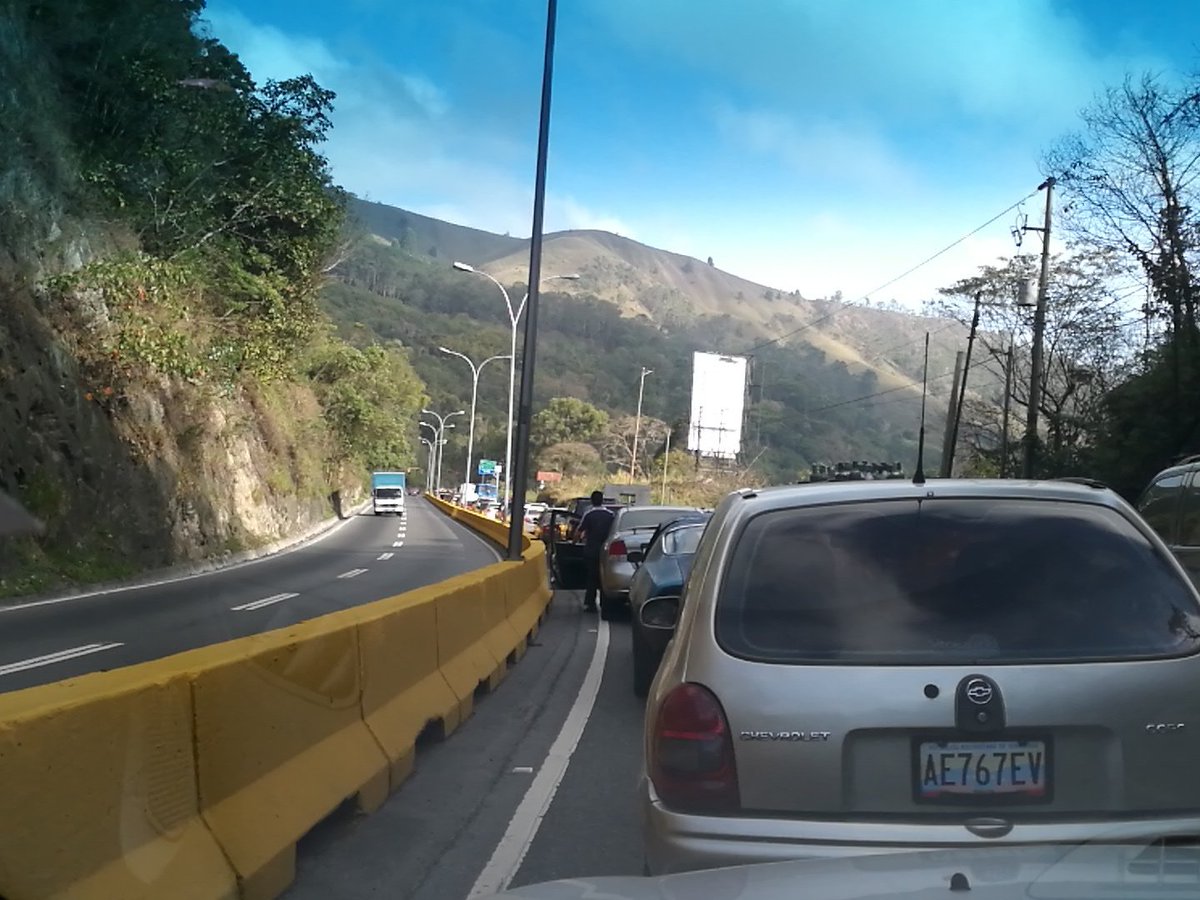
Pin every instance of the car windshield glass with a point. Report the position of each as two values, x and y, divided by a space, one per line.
388 493
649 517
952 582
682 540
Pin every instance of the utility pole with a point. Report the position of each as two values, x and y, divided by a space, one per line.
962 390
637 426
1008 376
1039 328
947 448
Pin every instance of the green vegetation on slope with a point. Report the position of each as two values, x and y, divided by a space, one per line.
173 388
587 350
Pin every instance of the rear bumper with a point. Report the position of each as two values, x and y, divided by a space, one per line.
675 842
615 580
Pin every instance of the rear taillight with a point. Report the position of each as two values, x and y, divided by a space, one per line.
692 764
617 548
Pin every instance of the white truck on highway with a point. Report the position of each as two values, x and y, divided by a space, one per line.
387 492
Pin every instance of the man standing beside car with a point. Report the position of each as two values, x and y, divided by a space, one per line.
593 532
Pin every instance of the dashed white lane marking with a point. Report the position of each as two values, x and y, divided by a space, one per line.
397 543
523 828
353 573
383 556
102 592
60 656
265 601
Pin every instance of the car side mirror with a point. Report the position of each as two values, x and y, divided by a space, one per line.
660 612
635 556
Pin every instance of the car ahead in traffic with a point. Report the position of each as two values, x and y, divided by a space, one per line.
1171 505
662 570
863 665
631 530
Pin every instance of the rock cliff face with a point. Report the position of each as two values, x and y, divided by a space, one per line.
153 473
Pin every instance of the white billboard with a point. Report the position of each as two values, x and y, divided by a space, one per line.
718 402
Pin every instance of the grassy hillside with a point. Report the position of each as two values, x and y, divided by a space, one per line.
806 405
682 295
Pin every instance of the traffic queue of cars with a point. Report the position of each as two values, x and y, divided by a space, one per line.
854 668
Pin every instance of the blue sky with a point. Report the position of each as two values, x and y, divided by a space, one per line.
817 145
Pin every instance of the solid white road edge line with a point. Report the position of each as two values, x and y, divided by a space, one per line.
60 656
265 601
523 827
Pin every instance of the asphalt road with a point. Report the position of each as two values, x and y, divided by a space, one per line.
435 837
364 558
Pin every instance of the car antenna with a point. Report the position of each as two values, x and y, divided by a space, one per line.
919 474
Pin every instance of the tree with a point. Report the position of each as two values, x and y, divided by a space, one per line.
366 395
572 458
567 419
1088 350
1131 181
617 444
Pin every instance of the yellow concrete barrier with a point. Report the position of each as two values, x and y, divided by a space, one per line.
464 658
404 690
98 795
194 776
281 742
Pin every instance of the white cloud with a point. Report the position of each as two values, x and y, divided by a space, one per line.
398 139
820 148
567 213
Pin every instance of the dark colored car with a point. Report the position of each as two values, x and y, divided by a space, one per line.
1171 506
654 592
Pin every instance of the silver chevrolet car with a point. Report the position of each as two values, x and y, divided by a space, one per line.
631 530
878 666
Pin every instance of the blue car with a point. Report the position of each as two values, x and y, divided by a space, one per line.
654 592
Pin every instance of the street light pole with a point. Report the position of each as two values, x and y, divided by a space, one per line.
443 423
475 372
429 469
514 318
637 424
432 454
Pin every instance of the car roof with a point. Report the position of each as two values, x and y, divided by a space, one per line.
821 493
682 510
1183 466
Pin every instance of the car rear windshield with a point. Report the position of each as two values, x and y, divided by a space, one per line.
650 517
951 581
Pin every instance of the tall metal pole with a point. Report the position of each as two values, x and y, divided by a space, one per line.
1008 376
529 346
476 371
514 317
1039 328
637 424
962 390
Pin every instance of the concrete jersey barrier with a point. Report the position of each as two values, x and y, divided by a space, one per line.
194 776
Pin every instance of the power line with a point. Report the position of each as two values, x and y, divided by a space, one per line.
893 390
890 282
